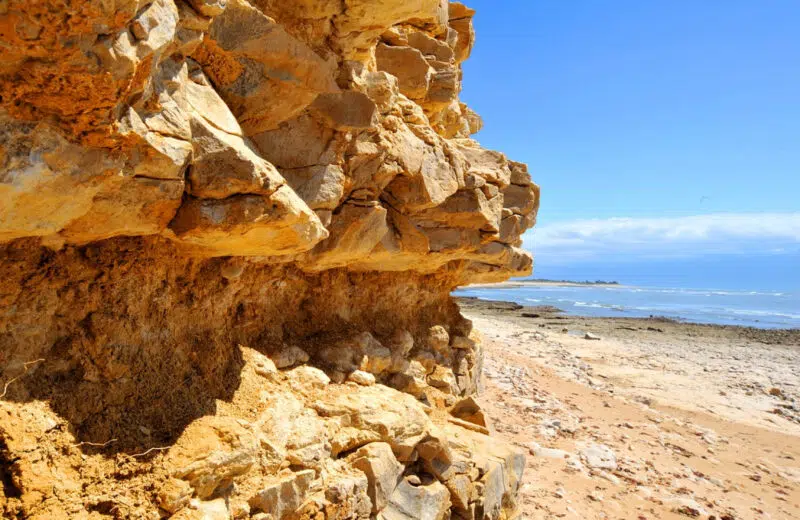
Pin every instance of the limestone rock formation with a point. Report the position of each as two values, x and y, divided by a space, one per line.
228 234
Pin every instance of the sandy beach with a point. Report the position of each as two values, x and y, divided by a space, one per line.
649 418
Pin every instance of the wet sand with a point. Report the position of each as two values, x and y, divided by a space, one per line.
656 419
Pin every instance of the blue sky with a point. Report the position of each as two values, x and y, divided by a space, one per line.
649 111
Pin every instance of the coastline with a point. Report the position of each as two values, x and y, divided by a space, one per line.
746 308
770 336
540 283
695 420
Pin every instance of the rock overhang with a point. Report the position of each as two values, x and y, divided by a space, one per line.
190 188
214 107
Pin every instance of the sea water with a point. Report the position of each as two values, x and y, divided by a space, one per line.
763 309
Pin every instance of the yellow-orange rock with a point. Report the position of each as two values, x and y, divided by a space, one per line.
229 231
249 225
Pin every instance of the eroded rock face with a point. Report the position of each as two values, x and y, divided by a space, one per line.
228 234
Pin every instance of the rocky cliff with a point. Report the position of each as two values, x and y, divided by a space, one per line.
228 234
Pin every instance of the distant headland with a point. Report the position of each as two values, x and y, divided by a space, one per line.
572 282
543 281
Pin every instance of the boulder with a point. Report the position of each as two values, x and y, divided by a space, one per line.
174 495
354 231
443 89
467 209
347 498
429 46
382 469
438 339
429 502
290 356
521 200
467 409
49 185
321 186
381 87
363 21
411 378
511 228
308 376
519 173
282 495
346 110
249 225
460 488
374 414
444 379
225 164
460 20
301 142
265 75
273 428
490 165
499 470
435 181
307 444
211 452
409 66
362 378
264 366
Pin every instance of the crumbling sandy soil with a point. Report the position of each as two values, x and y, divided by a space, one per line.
656 419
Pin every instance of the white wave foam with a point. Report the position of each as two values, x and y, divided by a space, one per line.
756 312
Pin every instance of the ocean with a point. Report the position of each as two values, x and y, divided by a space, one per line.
763 309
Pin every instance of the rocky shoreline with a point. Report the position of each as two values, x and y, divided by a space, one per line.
554 316
653 419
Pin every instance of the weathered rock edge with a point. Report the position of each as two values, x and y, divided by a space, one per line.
228 234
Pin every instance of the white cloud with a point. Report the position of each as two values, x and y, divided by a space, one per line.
635 238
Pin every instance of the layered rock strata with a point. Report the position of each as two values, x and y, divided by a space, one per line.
228 234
